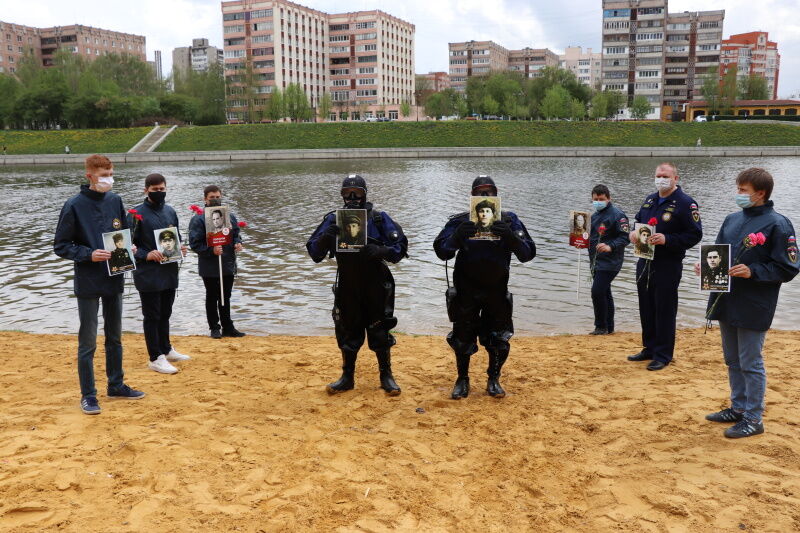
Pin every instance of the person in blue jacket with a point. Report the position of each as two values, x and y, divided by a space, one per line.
481 308
156 282
745 314
79 238
364 290
218 312
607 241
678 228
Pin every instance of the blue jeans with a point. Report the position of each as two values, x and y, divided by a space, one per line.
87 341
746 374
602 300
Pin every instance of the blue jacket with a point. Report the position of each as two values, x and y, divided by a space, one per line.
381 230
151 276
484 263
207 262
752 301
81 224
678 219
615 234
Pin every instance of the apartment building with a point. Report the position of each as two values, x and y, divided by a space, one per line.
435 81
752 53
529 61
15 41
585 65
364 59
649 52
474 58
197 57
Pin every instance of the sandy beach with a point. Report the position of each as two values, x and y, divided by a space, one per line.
245 438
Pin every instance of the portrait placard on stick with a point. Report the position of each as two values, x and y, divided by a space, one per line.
579 229
484 211
218 226
715 264
352 229
168 242
119 244
643 249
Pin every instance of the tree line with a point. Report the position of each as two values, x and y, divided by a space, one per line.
721 95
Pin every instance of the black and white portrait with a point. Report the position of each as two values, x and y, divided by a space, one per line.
352 229
217 219
169 244
119 244
484 211
715 262
643 249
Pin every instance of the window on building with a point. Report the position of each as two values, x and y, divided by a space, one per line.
367 92
368 59
366 81
232 16
341 83
367 48
261 14
366 70
366 36
340 96
239 28
614 13
364 25
339 38
339 27
616 50
339 49
649 11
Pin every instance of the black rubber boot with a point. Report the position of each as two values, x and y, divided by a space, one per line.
347 381
461 388
496 361
387 379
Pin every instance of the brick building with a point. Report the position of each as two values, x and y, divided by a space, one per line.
752 53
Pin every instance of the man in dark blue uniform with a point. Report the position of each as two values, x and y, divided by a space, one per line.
364 290
481 307
745 314
607 242
218 312
79 238
156 282
678 228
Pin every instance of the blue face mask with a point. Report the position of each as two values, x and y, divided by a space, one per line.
599 205
744 201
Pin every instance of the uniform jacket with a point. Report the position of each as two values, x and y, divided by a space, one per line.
81 224
152 276
484 262
752 301
207 262
678 219
609 226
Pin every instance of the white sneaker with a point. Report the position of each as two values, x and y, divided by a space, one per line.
175 355
162 365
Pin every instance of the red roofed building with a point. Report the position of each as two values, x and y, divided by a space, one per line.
753 53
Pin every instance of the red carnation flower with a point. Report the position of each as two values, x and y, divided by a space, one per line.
195 209
653 221
138 217
132 211
242 224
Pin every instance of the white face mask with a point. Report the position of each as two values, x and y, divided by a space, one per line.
104 184
663 184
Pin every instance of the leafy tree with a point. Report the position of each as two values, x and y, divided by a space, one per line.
423 89
711 90
489 106
753 87
180 106
296 103
9 88
728 91
405 108
275 108
556 103
325 105
577 109
640 108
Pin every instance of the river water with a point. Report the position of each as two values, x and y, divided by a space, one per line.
281 291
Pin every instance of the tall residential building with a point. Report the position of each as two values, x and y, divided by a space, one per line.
474 58
529 61
753 53
365 59
585 65
436 81
157 65
197 57
661 56
86 41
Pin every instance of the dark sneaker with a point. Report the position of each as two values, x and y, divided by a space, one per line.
744 428
216 334
599 331
90 406
233 332
125 392
726 415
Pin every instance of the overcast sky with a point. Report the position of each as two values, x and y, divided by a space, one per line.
168 24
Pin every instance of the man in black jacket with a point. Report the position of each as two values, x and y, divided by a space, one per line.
156 282
218 312
79 238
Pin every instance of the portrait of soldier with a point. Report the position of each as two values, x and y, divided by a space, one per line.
352 233
485 214
579 226
168 244
120 260
714 270
643 247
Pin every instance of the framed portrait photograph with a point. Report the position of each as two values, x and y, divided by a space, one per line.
579 228
168 242
218 225
643 249
484 211
119 244
715 264
352 229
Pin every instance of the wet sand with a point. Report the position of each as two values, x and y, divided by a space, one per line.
245 438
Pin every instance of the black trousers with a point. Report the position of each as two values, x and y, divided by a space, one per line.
602 300
657 285
365 308
157 310
482 314
217 313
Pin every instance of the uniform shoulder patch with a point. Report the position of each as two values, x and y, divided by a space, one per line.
791 249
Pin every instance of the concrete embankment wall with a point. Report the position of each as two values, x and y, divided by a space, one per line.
411 153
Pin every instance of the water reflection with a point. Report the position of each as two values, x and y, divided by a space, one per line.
280 290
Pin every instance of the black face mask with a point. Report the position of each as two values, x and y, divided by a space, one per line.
353 201
214 202
157 197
